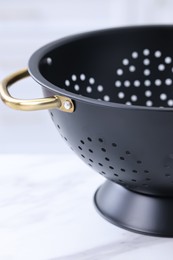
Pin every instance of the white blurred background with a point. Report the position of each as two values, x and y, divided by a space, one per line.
27 25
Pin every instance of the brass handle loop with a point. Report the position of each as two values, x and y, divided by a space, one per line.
62 103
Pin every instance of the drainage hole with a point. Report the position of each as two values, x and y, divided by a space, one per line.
148 179
139 162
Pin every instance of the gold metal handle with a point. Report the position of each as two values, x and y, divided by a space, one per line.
62 103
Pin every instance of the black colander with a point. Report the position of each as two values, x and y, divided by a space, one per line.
118 86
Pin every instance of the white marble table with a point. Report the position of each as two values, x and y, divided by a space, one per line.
47 213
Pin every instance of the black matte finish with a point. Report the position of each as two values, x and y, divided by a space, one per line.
130 144
143 214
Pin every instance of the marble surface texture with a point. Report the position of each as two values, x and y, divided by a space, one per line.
47 213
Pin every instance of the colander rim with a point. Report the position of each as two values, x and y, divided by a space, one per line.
38 55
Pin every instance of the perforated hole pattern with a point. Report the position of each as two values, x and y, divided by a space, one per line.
117 164
142 78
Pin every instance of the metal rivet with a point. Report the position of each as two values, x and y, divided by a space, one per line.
67 105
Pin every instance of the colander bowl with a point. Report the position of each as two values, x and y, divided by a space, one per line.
117 85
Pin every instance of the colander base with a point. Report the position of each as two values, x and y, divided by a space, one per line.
135 212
